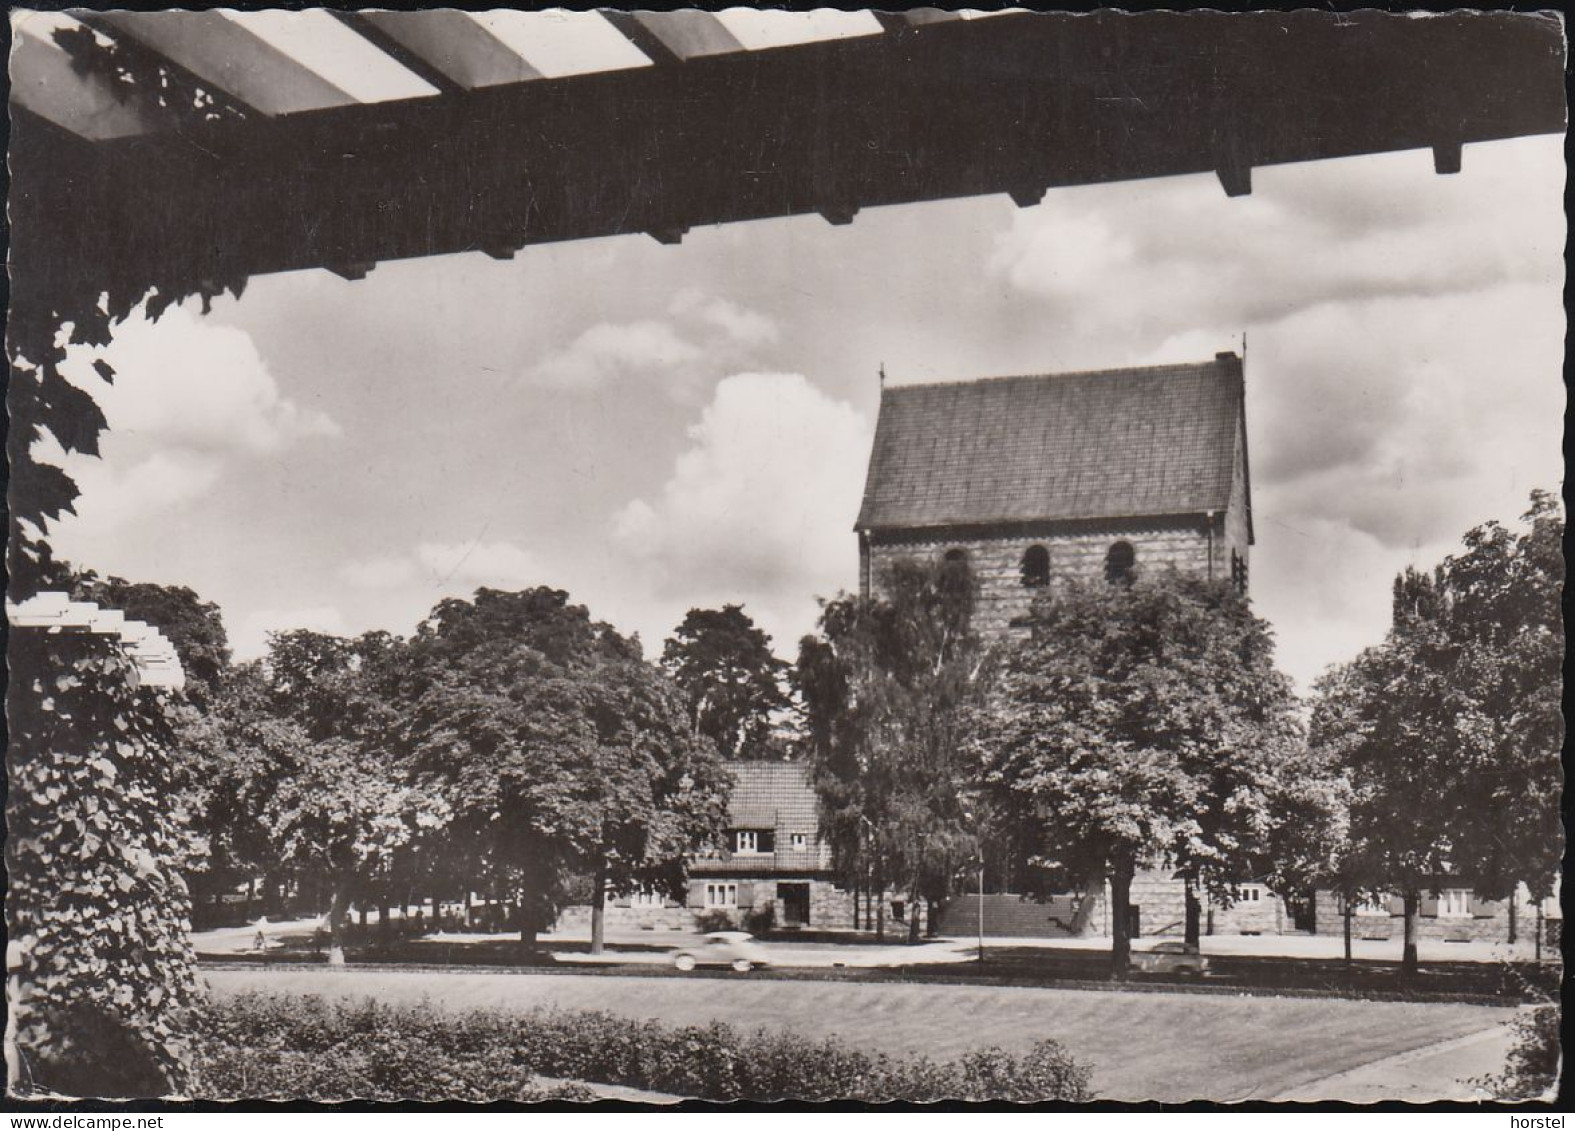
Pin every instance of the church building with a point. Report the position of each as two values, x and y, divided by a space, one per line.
1037 479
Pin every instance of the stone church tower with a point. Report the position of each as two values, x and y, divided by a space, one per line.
1034 480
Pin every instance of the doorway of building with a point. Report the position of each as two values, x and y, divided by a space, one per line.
795 904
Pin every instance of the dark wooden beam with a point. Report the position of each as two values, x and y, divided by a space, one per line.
969 107
1236 178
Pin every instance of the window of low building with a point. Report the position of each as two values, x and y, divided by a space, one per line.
1373 905
798 841
752 841
721 895
1252 893
1454 903
640 897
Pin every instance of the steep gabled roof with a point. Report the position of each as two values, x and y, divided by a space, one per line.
770 795
1115 444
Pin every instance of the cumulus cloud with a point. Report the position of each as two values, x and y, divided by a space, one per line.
702 332
184 382
1164 256
117 492
607 351
249 640
191 401
759 507
744 326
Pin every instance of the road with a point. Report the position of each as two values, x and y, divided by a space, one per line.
1162 1046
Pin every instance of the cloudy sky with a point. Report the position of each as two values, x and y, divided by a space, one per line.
656 427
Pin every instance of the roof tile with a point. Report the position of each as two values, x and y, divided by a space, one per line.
1113 444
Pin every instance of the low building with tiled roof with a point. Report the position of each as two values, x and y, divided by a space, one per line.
772 869
773 862
1040 478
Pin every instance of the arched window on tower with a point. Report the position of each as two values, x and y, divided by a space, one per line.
1036 567
1119 562
956 556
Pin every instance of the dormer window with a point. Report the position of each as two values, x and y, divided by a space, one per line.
752 842
1036 567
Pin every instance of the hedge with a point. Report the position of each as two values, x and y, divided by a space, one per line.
275 1046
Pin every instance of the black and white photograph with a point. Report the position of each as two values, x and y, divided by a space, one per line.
620 559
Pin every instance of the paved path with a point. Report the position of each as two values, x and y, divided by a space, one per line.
1162 1046
1418 1075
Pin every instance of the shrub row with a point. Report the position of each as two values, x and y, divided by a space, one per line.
308 1048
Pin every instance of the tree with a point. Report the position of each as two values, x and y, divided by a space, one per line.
305 738
884 686
732 684
1501 606
1139 723
559 749
1386 719
1449 731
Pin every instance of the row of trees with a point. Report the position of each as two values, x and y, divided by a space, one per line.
512 745
517 745
1142 723
1446 737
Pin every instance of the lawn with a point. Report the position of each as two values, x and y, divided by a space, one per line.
1168 1047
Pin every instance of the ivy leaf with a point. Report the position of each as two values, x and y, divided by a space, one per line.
105 370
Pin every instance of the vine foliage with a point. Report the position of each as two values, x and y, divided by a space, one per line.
97 841
97 833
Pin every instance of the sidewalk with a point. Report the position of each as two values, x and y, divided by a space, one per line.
1435 1072
1294 946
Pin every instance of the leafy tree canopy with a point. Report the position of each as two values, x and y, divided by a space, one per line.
559 749
884 687
731 683
1139 724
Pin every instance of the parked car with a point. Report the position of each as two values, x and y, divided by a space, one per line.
1170 958
737 949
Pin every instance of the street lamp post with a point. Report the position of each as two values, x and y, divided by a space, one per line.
981 905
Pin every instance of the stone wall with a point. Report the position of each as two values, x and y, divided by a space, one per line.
1022 917
830 908
997 561
1159 897
1489 921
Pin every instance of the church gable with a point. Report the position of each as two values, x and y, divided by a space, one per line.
1122 443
